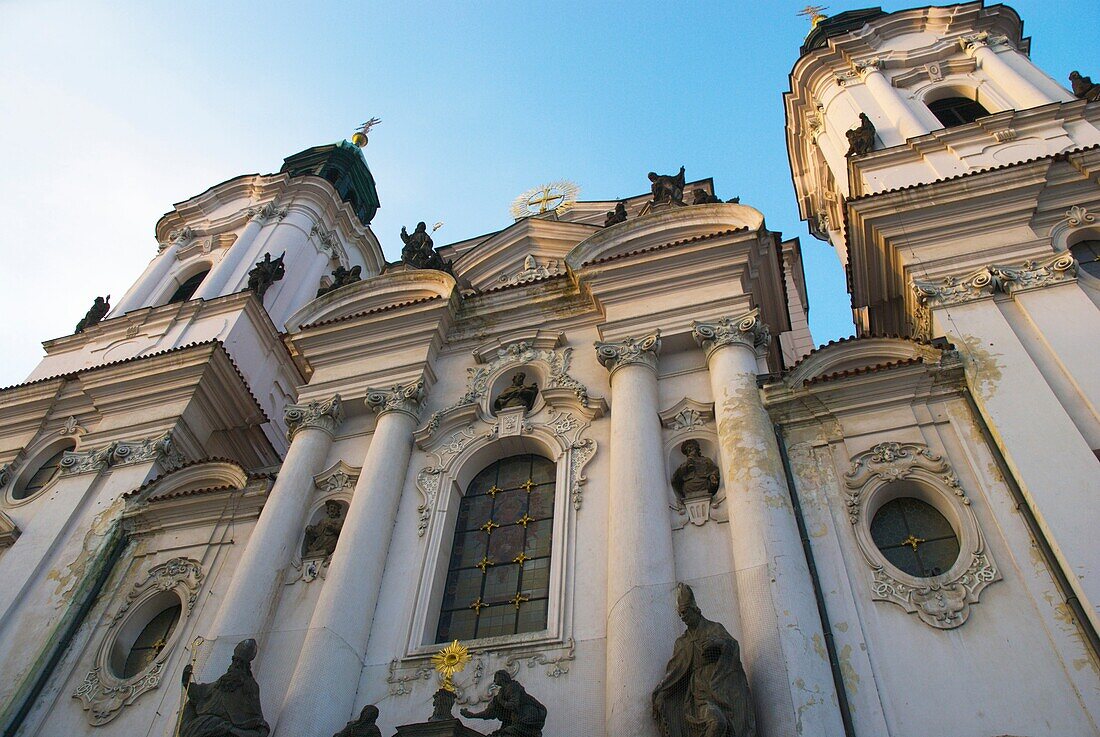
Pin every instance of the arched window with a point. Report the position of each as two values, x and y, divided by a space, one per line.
498 582
1087 253
953 111
188 288
46 473
151 640
915 537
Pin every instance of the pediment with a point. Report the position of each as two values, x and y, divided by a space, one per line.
529 250
858 354
375 294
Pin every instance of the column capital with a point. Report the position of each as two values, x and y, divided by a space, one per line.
746 330
863 67
325 415
644 350
972 42
397 398
995 279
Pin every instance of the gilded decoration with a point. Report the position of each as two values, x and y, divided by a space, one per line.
943 601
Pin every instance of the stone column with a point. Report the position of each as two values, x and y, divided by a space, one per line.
222 275
142 291
248 601
641 575
790 677
1019 89
895 107
321 693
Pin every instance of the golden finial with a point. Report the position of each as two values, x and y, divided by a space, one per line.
359 138
450 660
813 12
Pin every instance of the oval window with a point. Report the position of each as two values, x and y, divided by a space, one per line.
151 640
41 478
915 537
1087 253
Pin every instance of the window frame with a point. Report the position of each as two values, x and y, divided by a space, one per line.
37 458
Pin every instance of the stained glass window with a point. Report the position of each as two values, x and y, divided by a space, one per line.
498 582
915 537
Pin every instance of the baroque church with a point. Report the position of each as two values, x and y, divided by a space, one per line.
588 474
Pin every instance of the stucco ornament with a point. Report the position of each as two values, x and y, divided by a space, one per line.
746 330
102 693
267 211
995 279
325 415
160 449
615 354
942 601
5 474
397 398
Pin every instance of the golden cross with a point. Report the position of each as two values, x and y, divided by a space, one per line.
912 542
528 485
484 563
521 558
519 599
493 491
478 605
813 12
524 520
488 526
544 197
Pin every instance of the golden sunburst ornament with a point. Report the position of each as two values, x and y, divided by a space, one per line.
557 196
450 660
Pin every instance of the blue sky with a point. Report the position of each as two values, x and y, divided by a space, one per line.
111 112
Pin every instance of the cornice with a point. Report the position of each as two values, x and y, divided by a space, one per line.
642 351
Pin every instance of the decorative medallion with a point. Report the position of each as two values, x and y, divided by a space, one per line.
556 196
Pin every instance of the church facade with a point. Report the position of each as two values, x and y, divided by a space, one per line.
524 441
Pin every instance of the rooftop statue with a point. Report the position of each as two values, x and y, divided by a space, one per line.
99 310
264 274
1083 87
705 692
419 251
861 139
341 278
616 216
703 197
228 707
321 537
668 188
364 726
697 475
517 395
520 714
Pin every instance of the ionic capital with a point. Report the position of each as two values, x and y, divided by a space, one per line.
972 42
996 279
266 212
746 330
867 66
397 398
615 354
326 415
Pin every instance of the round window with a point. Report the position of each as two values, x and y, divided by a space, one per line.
1087 253
915 537
45 473
151 640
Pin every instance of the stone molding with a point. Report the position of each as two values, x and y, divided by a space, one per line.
9 531
103 694
5 474
746 330
942 601
265 212
405 398
329 244
160 449
613 355
338 477
324 415
687 415
995 279
974 41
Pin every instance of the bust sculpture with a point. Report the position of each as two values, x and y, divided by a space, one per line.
265 273
228 707
703 197
520 714
364 726
705 692
99 310
517 395
321 537
697 475
616 216
861 139
1083 88
668 188
419 250
341 278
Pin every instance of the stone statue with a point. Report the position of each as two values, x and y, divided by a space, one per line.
264 274
228 707
616 216
667 188
705 692
419 251
364 726
861 139
1083 88
517 395
321 537
520 714
702 197
341 278
697 475
99 310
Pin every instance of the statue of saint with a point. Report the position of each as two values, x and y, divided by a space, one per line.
1083 88
419 250
616 216
520 714
321 538
99 310
364 726
700 196
861 139
667 188
341 278
705 692
264 274
697 475
228 707
517 395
